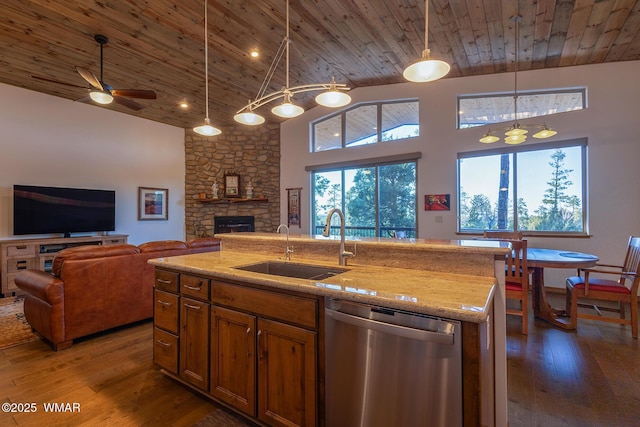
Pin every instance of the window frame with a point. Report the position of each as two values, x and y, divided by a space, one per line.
364 163
582 143
343 123
521 94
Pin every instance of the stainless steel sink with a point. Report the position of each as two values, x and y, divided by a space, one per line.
288 269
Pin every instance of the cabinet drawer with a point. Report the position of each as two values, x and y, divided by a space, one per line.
114 241
289 308
194 286
165 311
21 250
165 350
17 265
166 280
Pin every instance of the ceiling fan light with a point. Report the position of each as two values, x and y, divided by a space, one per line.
488 139
545 132
249 118
101 97
426 70
206 129
333 98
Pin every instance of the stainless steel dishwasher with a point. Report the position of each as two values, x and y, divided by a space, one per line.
391 368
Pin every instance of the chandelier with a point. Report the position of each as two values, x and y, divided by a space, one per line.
206 129
517 133
333 95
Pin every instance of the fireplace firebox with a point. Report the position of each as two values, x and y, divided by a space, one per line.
233 224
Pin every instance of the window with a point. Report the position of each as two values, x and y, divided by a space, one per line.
476 110
377 201
539 188
366 124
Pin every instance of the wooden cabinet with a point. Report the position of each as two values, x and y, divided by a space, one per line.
194 342
264 353
233 358
181 326
287 359
24 254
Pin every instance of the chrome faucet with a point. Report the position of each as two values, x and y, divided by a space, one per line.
343 255
289 250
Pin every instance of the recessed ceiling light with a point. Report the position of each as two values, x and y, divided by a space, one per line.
254 53
336 134
184 104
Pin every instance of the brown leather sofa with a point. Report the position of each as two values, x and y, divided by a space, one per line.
95 288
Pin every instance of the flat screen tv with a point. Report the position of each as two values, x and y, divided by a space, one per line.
45 210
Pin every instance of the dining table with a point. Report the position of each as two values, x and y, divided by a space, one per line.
538 259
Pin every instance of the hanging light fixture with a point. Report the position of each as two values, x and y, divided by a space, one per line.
426 69
517 133
333 95
206 129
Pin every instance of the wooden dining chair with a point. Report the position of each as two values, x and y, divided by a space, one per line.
517 281
502 235
623 290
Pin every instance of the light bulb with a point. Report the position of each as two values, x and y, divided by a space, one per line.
545 132
488 139
333 98
101 96
287 110
249 118
206 129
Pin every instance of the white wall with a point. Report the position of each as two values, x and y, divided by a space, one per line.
46 140
609 123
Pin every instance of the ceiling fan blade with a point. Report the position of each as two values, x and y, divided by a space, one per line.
128 103
56 81
90 77
134 93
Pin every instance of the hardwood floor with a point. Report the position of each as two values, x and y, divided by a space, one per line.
555 378
586 378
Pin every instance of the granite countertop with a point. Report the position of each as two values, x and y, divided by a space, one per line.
454 296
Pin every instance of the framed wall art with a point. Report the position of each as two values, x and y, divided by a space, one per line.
293 203
437 202
153 203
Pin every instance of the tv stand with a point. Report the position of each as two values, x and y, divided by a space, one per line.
24 254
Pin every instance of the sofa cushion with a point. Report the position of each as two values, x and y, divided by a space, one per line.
90 252
162 245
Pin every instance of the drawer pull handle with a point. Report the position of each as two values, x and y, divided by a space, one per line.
163 343
166 304
21 247
249 340
166 282
193 307
193 288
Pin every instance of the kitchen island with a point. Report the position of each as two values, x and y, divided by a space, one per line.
255 341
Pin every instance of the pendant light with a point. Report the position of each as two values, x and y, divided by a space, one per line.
426 69
517 133
206 129
333 95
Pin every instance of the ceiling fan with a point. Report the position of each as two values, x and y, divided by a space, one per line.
101 92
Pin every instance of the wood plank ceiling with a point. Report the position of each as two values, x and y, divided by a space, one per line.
158 44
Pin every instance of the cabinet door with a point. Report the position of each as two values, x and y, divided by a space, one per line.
233 359
194 342
287 378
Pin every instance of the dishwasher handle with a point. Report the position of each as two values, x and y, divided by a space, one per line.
389 328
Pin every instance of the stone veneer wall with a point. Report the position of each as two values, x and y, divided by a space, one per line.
253 153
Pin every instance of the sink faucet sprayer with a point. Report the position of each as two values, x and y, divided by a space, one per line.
289 250
343 255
